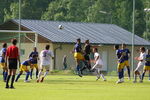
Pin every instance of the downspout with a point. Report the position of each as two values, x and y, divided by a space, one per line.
59 47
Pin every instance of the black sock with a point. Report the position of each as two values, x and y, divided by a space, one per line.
37 73
143 75
12 80
128 71
31 73
7 81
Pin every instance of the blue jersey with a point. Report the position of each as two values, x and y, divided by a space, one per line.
126 52
34 53
147 59
77 47
119 54
26 63
2 52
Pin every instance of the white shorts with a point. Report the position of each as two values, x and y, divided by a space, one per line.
140 66
97 66
47 67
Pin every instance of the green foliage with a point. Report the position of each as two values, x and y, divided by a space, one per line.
117 12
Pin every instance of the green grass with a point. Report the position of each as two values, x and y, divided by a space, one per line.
58 87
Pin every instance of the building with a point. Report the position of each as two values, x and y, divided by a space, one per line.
62 36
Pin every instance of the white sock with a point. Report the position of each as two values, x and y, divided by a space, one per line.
103 77
45 73
39 74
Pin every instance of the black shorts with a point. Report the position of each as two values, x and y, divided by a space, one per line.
12 63
86 56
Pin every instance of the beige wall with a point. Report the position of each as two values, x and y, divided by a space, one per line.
111 56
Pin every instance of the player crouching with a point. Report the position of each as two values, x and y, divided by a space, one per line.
24 67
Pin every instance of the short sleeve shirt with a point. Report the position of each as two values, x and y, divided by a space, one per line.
12 52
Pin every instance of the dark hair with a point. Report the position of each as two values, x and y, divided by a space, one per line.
116 46
47 47
4 45
86 41
34 48
14 41
124 44
96 49
78 39
143 49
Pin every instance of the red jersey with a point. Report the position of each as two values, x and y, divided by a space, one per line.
12 52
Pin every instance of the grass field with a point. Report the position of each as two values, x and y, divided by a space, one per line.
57 87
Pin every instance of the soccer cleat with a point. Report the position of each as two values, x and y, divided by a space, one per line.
26 81
122 80
7 86
119 81
105 80
42 79
97 78
37 80
12 87
141 81
134 81
129 78
79 75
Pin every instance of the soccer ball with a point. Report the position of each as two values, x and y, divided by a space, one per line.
60 27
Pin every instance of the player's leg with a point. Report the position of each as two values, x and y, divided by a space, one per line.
40 73
31 73
18 76
8 78
143 74
78 68
5 73
45 73
22 68
4 67
84 67
37 70
27 76
128 68
102 75
136 73
120 72
97 73
13 77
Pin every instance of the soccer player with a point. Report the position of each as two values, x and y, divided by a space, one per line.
140 64
126 58
147 65
87 51
78 56
12 56
35 62
3 62
98 64
24 67
120 66
45 56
